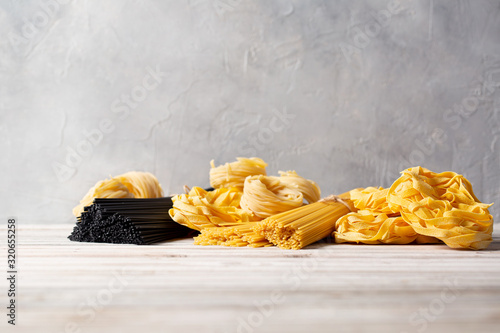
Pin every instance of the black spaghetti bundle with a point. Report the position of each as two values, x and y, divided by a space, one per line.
128 221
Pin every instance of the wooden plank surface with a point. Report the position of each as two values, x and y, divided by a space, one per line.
176 286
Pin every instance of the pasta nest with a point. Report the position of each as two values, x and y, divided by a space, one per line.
133 184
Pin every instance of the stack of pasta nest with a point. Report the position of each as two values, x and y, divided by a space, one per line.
421 206
243 196
249 208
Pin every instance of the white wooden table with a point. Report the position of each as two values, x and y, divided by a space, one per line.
179 287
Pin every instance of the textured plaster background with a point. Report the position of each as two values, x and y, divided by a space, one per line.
97 88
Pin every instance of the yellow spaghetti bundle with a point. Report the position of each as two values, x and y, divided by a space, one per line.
237 235
200 209
234 174
442 205
302 226
132 184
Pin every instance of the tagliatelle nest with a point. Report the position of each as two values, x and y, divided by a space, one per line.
243 193
442 205
436 206
200 209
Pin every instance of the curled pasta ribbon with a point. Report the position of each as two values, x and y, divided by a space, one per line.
234 174
200 209
371 199
375 222
134 184
442 205
308 188
364 227
266 196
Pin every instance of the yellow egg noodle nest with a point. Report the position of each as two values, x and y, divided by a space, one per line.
234 174
200 209
227 208
266 196
249 208
307 187
421 206
133 184
218 215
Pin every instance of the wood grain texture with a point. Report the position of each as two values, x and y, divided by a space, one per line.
179 287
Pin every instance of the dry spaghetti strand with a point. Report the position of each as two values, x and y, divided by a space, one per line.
302 226
237 235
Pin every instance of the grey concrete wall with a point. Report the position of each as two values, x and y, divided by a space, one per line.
347 93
